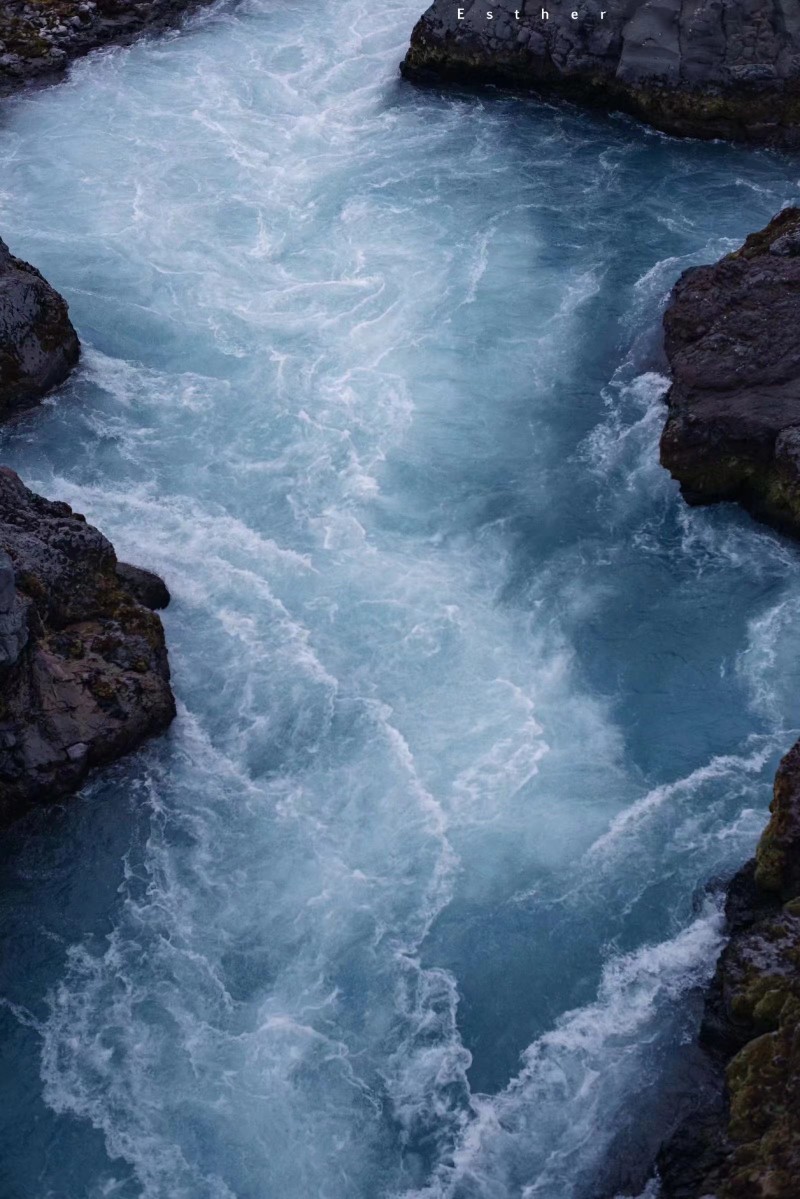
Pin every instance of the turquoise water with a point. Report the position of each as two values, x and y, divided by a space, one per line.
410 901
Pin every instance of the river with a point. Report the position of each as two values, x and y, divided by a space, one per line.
411 901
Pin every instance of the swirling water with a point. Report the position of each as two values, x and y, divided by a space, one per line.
410 901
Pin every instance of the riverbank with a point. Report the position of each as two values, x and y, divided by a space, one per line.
711 69
39 38
747 1144
733 413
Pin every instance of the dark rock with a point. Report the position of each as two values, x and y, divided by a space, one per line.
733 430
84 676
733 433
777 870
746 904
747 1144
693 1153
148 588
38 345
39 38
702 68
13 616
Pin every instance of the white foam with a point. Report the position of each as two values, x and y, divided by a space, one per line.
556 1117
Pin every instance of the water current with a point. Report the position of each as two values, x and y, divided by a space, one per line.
411 901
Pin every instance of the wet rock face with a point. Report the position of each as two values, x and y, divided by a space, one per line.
749 1148
704 68
40 37
84 676
733 430
733 433
777 864
148 588
38 345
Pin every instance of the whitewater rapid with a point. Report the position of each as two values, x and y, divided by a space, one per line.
411 900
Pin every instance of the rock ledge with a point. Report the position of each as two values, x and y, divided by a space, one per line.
699 68
84 676
39 38
38 345
733 431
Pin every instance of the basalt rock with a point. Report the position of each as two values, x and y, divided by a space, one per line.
749 1146
39 38
38 345
84 676
702 68
148 588
733 430
733 433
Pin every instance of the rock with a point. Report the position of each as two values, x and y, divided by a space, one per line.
733 433
748 1145
777 868
13 617
38 345
148 588
702 68
733 430
84 676
39 38
787 246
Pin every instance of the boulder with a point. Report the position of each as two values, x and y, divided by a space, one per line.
700 68
84 676
733 430
148 588
38 345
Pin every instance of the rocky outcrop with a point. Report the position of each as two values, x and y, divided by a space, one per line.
38 345
84 676
40 37
702 68
148 588
733 430
749 1146
733 433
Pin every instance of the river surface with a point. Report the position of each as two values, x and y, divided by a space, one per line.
411 901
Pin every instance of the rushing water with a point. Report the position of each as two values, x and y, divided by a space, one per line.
410 901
